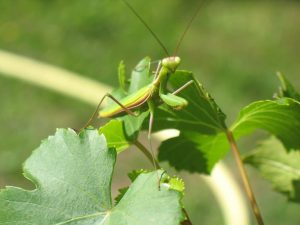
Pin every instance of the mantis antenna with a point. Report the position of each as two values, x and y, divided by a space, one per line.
188 26
147 26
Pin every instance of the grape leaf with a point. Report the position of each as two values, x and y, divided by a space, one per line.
194 152
280 117
73 176
201 120
173 183
199 153
278 166
202 113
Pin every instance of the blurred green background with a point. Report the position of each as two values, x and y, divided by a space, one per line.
234 47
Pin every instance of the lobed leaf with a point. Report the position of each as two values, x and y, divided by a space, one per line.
197 152
201 115
280 117
278 166
201 125
73 177
194 152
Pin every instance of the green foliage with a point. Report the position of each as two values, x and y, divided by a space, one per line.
73 173
287 89
140 75
278 166
76 189
201 125
280 117
202 113
84 33
115 135
194 152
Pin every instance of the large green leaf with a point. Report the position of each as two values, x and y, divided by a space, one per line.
278 166
202 113
73 176
280 117
194 152
201 124
199 153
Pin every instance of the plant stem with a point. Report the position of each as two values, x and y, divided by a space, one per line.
188 220
245 178
147 153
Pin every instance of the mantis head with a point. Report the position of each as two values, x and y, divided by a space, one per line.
171 63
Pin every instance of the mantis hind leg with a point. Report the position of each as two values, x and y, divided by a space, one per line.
94 115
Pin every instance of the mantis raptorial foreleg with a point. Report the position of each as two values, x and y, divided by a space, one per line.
94 115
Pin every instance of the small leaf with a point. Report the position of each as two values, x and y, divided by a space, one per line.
115 135
177 184
140 78
122 192
73 176
194 152
135 173
120 133
140 75
278 166
280 117
133 124
287 89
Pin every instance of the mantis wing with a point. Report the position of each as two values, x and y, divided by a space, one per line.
131 101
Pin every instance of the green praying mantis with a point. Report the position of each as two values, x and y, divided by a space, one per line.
156 89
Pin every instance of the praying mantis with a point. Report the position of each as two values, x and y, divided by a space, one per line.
156 89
